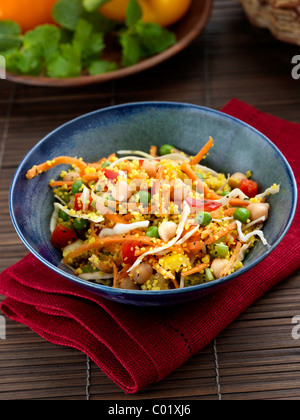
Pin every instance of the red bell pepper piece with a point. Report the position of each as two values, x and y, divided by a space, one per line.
110 174
78 203
203 205
128 252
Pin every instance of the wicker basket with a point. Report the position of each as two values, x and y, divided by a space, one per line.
281 17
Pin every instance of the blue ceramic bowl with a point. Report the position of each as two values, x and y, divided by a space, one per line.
238 147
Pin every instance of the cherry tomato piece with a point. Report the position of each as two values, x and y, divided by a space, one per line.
249 187
63 236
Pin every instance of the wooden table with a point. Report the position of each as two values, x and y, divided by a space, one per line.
256 357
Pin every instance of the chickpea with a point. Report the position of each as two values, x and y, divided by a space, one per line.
258 210
141 273
121 191
150 166
71 176
167 230
235 179
217 266
128 284
180 191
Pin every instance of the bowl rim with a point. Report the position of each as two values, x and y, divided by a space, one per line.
164 293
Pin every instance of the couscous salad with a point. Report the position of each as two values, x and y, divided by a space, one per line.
154 221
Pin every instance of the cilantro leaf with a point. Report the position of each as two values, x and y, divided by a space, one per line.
89 42
139 39
133 13
65 64
67 13
29 61
153 38
92 5
10 35
44 38
131 49
101 66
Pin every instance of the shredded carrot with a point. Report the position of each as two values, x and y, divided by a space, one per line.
113 248
194 270
237 202
186 168
116 218
232 260
111 157
123 273
153 150
115 275
61 183
128 217
195 247
43 167
167 274
220 234
90 177
230 211
103 242
202 152
207 232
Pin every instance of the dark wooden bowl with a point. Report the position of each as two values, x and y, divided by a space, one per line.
186 30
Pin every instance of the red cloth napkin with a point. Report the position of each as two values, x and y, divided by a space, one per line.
136 347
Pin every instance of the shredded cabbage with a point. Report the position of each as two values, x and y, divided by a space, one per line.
54 218
275 189
72 247
236 193
94 218
135 152
261 219
85 198
98 276
241 255
120 229
245 238
187 236
60 199
126 158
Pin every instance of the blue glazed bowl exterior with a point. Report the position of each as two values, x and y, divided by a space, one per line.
238 148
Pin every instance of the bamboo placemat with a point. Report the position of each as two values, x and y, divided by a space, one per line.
256 357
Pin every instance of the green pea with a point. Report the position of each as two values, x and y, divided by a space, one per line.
152 232
166 149
203 218
80 224
241 214
77 187
63 215
143 197
105 164
224 193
